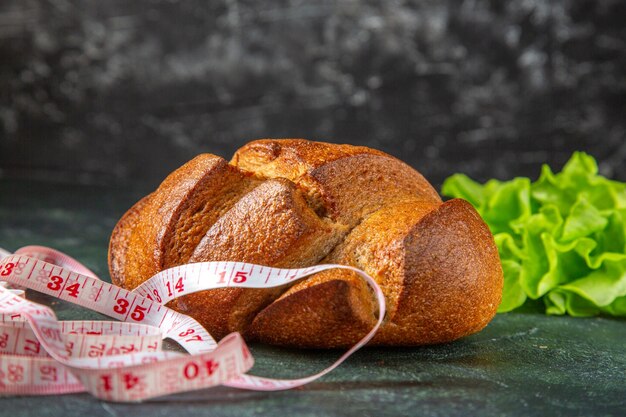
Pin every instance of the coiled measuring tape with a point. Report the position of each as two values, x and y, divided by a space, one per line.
123 361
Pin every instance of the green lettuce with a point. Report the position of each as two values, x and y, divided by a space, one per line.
561 239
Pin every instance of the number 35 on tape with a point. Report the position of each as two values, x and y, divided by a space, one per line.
123 361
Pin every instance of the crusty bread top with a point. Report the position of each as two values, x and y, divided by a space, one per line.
294 203
343 182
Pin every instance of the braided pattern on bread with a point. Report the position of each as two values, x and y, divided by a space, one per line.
293 203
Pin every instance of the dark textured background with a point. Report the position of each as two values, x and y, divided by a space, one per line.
118 91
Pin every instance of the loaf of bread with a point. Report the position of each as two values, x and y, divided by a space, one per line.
294 203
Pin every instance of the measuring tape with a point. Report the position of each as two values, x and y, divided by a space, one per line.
123 361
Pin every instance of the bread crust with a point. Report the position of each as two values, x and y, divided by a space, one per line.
294 203
343 182
452 278
335 309
292 236
119 243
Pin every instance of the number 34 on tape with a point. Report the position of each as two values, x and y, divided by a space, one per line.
123 360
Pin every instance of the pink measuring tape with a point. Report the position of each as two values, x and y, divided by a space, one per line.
123 361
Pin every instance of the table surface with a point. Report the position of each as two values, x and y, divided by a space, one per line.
522 364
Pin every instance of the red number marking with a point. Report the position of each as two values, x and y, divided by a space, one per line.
48 373
55 283
32 346
106 382
96 350
222 277
193 338
122 306
69 347
7 269
50 333
112 351
240 277
73 290
138 313
211 366
157 296
179 285
129 349
131 380
186 332
191 370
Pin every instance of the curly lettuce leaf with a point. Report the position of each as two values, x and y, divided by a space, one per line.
561 239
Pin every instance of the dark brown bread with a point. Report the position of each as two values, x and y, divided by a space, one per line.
294 203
